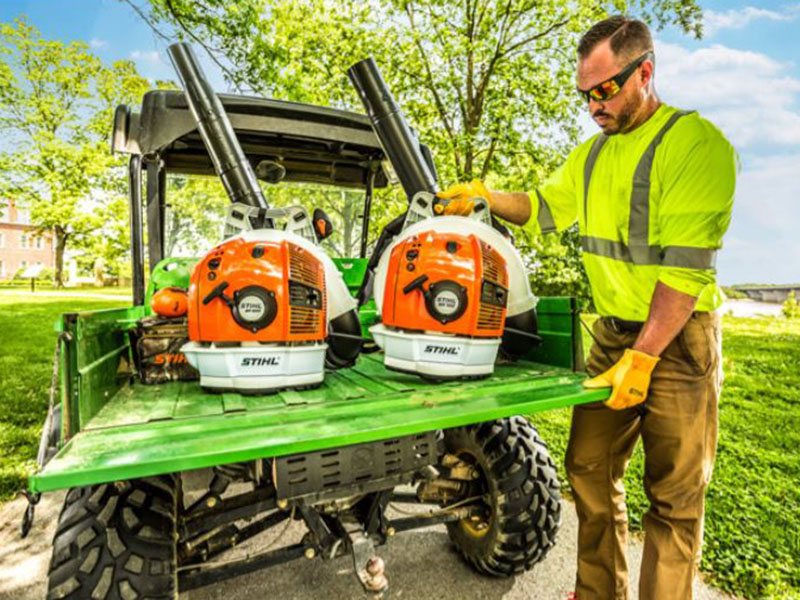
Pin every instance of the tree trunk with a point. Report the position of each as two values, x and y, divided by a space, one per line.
349 223
61 244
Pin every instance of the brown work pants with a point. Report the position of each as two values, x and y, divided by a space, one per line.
678 427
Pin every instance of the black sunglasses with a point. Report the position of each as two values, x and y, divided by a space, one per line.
611 87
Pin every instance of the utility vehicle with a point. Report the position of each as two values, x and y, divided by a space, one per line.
337 457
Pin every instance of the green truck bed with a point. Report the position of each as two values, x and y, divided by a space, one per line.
117 428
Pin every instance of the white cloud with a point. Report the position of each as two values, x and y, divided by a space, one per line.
761 243
96 43
747 94
149 56
750 97
739 18
772 184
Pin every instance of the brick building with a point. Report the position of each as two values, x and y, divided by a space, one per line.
20 245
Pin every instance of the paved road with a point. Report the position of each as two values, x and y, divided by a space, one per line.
420 565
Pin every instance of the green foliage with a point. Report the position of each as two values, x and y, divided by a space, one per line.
791 310
555 264
107 234
486 83
27 337
345 208
56 103
752 546
44 275
196 208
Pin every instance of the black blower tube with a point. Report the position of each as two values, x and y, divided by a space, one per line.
215 128
398 141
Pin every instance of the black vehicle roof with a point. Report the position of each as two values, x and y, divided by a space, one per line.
314 143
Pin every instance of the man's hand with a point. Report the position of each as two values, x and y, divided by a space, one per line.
629 378
460 197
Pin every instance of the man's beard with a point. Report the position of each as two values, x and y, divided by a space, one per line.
623 119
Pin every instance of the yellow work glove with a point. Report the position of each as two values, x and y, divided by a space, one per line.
629 377
460 196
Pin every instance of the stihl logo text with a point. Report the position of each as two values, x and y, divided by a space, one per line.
169 359
451 350
261 361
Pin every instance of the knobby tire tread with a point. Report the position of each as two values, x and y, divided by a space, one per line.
117 541
526 491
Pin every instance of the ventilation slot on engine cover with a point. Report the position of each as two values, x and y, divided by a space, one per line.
304 268
490 316
494 267
305 274
303 320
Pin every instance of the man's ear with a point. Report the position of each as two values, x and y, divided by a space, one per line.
647 69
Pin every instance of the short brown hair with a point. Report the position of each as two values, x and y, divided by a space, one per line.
629 38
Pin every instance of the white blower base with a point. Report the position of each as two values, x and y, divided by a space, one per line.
257 368
435 355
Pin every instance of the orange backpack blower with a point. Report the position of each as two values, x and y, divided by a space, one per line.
265 303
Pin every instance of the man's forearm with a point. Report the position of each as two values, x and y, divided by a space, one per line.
669 312
514 207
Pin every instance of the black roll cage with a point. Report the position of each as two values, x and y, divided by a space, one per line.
314 144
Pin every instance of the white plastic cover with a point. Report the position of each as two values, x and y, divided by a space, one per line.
436 355
254 366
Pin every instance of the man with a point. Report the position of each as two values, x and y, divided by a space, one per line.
652 195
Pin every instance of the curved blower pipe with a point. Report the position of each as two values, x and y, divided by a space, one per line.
215 128
414 170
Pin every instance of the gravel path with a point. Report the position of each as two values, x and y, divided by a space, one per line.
420 565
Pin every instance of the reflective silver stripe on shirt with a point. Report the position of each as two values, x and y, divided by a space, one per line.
639 219
546 222
638 250
588 167
687 257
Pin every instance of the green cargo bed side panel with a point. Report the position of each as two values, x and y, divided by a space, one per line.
559 327
95 361
147 430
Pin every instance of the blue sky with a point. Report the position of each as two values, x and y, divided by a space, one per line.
744 76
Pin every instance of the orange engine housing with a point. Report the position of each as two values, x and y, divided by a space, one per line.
447 283
257 291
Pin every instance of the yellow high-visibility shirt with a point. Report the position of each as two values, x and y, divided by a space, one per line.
668 227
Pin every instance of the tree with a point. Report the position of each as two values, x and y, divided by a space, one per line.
486 83
791 310
196 212
56 104
345 209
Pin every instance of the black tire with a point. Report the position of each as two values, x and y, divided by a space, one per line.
523 499
117 541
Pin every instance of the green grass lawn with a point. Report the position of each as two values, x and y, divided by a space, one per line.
27 342
753 511
24 287
752 529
